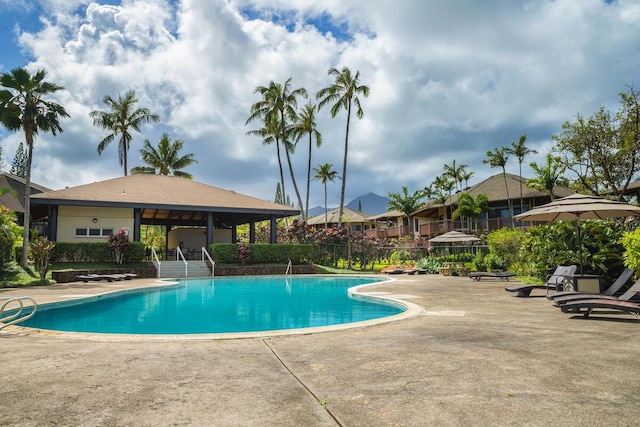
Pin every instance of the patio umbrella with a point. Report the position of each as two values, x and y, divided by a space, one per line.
577 207
454 237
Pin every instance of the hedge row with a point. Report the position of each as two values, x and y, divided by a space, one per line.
264 253
95 252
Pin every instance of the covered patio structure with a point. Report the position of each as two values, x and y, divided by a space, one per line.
92 211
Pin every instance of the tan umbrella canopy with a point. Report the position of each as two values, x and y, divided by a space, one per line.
454 237
577 207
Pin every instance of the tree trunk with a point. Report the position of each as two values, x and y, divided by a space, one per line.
293 177
306 206
506 187
326 224
24 261
344 166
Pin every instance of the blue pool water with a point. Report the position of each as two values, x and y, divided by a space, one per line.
219 305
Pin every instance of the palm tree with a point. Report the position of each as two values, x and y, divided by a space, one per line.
270 133
306 124
444 185
22 107
343 93
120 118
166 159
281 101
466 176
406 203
548 176
520 150
456 173
325 174
471 208
498 158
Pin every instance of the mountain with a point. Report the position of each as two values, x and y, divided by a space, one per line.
371 204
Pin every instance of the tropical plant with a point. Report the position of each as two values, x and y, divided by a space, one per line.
165 159
471 208
244 251
520 151
406 203
504 244
278 104
41 251
9 234
22 106
443 186
544 247
548 176
343 94
119 242
121 117
631 242
498 158
455 172
306 125
325 174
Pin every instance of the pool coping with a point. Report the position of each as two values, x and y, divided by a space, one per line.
411 310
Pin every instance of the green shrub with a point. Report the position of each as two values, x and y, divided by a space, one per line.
431 264
9 235
264 252
631 242
494 262
545 247
479 263
95 252
504 245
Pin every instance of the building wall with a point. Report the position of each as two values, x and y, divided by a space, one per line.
71 218
196 238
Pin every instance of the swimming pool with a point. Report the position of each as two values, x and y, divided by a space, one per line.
220 305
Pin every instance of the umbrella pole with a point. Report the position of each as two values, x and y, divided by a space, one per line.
579 244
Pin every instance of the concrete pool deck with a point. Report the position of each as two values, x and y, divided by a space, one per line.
476 355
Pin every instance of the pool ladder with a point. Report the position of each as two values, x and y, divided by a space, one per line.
16 317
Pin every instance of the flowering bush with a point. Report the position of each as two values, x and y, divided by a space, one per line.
243 252
119 242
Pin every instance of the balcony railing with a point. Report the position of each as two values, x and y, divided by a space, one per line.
434 228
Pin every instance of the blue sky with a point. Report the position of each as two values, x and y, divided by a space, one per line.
449 80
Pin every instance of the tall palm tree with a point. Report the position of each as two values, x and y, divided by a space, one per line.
121 117
455 172
520 150
444 185
306 125
325 174
548 176
165 159
281 101
406 203
498 158
343 93
466 176
22 107
270 133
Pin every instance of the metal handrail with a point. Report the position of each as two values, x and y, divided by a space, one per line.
289 271
213 263
15 318
186 264
154 259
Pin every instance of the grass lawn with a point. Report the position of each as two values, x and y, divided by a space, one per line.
13 276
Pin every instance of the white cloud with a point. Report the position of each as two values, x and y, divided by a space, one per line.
448 80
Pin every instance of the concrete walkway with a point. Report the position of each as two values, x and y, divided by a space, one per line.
475 356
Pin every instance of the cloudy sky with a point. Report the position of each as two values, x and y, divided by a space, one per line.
449 80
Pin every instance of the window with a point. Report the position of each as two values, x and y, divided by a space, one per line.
93 232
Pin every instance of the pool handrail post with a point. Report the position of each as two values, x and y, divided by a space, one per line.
179 255
289 269
155 259
213 263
